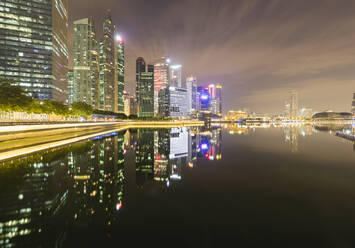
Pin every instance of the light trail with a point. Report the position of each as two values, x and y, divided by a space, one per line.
123 126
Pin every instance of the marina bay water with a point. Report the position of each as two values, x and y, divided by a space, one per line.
215 186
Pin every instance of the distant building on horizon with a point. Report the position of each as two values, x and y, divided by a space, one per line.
305 113
34 46
145 88
86 84
293 105
353 105
236 115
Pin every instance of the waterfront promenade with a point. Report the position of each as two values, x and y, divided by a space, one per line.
20 140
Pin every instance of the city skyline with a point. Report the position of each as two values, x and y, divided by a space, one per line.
259 60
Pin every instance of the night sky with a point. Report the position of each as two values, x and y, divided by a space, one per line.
258 50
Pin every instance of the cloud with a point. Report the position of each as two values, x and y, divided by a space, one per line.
257 48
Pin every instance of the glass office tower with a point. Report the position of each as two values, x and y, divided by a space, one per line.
86 63
107 66
119 74
33 46
145 88
161 81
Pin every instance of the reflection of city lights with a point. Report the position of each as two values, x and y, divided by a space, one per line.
168 183
204 146
206 155
204 97
118 205
191 165
218 156
211 158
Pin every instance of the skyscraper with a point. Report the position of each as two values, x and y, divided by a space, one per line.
34 46
213 102
161 81
175 76
219 99
140 67
294 105
86 86
107 66
178 102
204 98
191 86
119 74
353 106
70 86
145 88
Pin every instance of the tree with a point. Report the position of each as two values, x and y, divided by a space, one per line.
81 109
13 97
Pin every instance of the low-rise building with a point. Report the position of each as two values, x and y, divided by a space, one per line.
236 115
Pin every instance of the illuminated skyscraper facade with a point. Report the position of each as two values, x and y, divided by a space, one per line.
178 102
70 86
175 76
34 46
161 81
107 66
204 98
145 88
191 86
219 99
119 105
86 86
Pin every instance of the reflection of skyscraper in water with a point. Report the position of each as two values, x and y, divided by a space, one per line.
291 137
98 181
86 178
144 156
192 147
178 151
210 144
33 192
161 155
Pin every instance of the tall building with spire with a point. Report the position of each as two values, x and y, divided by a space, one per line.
107 65
86 86
34 46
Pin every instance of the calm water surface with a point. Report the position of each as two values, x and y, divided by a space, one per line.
227 186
